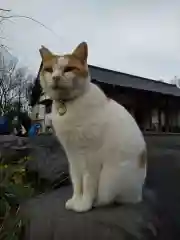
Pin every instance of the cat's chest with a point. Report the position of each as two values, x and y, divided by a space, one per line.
66 121
74 131
65 125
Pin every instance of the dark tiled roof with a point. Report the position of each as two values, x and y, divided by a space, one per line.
116 78
131 81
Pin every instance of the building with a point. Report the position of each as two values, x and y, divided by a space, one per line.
41 113
155 105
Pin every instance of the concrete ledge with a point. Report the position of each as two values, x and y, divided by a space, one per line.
163 134
48 219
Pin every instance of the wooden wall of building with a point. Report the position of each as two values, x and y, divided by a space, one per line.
152 111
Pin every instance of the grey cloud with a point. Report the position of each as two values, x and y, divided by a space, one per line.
131 36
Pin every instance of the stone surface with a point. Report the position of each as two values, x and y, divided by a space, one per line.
164 179
48 219
159 216
160 212
12 148
47 160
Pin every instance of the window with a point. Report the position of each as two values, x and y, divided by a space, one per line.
48 108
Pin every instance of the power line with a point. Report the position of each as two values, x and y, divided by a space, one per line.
34 20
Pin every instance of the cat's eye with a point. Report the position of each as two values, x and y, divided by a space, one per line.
48 69
69 69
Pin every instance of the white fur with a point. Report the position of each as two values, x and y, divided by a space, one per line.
58 68
62 61
103 144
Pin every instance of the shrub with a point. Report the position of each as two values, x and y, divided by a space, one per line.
14 189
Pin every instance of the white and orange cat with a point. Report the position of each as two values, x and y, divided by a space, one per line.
105 147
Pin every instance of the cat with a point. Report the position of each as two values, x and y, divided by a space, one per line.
105 148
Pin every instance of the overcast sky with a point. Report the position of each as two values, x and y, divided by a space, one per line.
140 37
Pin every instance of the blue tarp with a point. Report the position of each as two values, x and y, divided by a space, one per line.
4 126
34 129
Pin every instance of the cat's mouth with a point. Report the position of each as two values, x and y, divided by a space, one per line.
60 88
55 87
61 92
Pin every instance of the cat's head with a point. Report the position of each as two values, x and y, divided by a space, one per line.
65 77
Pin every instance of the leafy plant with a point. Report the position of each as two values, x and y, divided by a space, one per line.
14 189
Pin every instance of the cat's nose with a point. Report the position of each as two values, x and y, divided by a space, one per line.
56 78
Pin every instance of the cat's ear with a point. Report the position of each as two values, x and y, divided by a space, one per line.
45 53
81 52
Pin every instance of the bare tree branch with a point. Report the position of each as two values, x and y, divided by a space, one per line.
4 17
32 19
5 10
14 83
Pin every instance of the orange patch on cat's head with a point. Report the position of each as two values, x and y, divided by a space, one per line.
48 58
76 61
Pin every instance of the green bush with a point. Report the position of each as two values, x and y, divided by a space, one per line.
14 189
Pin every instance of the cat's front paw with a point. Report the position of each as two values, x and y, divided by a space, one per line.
70 203
78 205
82 206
